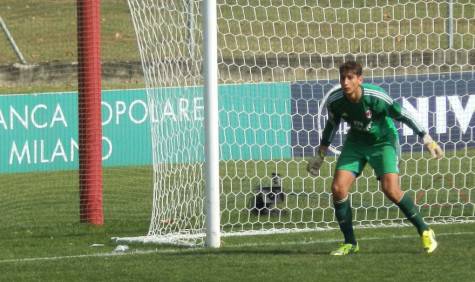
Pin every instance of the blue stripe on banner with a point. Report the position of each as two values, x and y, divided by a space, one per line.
444 103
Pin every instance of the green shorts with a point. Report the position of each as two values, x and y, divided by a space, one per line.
383 157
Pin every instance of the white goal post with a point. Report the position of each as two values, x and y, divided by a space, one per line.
274 60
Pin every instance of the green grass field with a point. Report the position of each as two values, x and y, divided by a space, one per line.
41 238
390 254
45 32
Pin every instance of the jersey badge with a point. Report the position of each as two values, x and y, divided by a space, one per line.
368 114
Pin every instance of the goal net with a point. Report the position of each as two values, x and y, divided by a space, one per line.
276 61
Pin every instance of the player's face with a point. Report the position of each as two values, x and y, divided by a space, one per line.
350 83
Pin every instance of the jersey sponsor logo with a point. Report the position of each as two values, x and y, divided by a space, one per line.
360 126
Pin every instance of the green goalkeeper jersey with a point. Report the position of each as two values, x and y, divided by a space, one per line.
370 119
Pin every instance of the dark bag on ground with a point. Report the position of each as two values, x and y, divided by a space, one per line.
266 198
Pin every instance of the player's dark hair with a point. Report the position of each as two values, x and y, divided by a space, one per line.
351 67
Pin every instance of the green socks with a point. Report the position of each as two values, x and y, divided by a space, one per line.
345 219
410 210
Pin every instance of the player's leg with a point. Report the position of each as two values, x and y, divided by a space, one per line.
391 188
349 165
385 163
340 187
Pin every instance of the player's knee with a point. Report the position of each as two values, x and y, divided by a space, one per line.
393 193
339 191
341 184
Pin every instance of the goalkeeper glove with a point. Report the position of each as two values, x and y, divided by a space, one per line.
432 146
314 164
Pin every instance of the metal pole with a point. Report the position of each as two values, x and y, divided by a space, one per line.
12 42
450 24
213 235
191 28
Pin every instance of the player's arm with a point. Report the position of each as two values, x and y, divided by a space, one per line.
331 127
333 122
400 114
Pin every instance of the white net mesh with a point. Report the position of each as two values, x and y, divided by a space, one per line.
277 58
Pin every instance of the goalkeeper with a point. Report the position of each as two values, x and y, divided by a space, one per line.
372 139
